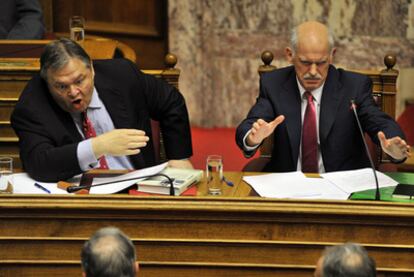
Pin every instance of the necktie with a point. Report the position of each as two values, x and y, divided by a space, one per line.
309 137
89 132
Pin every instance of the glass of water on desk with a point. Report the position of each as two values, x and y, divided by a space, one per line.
77 28
6 170
214 174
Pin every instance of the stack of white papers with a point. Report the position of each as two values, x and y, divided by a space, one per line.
336 185
23 184
116 187
358 180
294 185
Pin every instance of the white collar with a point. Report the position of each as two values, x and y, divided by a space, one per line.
317 93
96 102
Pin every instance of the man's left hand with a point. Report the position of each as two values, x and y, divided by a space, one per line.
396 147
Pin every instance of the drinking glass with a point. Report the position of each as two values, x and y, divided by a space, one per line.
214 172
6 169
77 30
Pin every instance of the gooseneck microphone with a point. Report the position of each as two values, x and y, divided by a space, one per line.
377 190
71 189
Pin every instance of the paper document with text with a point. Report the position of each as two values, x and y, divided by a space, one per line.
358 180
294 185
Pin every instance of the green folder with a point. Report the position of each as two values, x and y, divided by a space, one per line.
386 193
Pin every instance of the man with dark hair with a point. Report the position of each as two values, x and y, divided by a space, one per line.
78 115
347 260
109 253
306 108
21 19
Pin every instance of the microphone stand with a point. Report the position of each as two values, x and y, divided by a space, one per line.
71 189
377 190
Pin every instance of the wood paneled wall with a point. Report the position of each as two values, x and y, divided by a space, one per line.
139 24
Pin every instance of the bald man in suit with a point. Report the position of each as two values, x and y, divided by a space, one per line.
283 101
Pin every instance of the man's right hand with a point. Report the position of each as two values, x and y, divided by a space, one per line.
261 130
119 142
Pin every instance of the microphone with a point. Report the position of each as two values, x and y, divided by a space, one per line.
377 190
71 189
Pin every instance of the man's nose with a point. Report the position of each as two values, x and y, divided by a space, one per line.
73 90
313 69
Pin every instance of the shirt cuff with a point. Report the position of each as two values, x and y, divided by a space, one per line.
86 157
245 146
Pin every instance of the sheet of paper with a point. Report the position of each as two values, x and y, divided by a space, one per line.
115 187
23 184
294 185
356 180
325 189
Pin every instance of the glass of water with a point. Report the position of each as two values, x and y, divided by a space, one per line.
6 169
77 28
214 173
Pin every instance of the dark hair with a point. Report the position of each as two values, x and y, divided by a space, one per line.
108 253
347 260
58 53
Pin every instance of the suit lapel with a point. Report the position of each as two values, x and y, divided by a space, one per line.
331 97
70 126
115 104
290 108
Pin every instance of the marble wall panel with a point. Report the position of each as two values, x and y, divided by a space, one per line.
219 42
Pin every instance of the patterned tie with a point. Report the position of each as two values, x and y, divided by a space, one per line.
309 138
89 132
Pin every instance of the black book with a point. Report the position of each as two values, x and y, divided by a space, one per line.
403 191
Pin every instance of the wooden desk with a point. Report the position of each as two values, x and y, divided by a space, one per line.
229 235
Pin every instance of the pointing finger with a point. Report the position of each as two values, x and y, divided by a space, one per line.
277 121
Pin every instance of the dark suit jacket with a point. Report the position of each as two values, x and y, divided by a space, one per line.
21 19
341 144
48 137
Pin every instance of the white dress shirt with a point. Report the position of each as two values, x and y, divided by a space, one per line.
317 96
102 123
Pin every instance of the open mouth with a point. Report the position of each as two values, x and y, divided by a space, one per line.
77 103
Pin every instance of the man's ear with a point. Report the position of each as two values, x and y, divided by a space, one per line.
136 267
83 274
289 54
93 71
333 52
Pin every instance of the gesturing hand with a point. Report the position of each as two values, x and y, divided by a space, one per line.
395 147
119 142
261 130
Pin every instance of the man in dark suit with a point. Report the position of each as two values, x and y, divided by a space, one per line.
78 115
21 19
306 107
